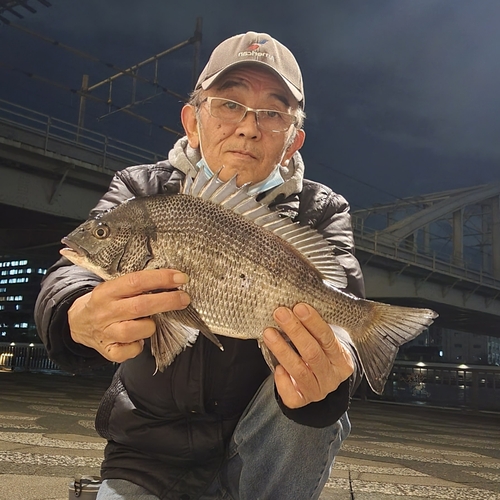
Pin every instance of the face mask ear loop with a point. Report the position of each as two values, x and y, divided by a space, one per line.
288 145
198 128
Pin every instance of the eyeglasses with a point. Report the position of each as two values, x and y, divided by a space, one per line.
234 112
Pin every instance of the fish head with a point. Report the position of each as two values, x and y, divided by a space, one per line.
109 245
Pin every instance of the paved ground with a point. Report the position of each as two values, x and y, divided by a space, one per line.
394 452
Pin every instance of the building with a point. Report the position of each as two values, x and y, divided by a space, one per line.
19 286
463 347
446 345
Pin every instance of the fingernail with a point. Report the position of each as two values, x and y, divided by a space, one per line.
185 298
282 314
180 278
301 311
271 334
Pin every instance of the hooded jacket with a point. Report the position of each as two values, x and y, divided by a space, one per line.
168 432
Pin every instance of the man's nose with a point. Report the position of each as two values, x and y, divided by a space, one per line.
249 124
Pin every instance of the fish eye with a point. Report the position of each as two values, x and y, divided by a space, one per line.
101 231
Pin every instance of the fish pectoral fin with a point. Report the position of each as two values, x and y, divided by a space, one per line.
136 255
190 317
170 339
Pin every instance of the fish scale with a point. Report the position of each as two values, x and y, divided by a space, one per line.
244 261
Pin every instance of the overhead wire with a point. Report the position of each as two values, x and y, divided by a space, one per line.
79 92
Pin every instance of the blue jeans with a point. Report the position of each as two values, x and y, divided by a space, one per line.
270 457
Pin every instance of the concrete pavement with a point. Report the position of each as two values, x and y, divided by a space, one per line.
394 451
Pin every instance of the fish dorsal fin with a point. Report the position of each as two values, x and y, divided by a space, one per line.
306 240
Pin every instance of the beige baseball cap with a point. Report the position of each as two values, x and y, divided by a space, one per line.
259 48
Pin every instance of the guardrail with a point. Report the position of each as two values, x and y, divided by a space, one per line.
441 384
25 357
369 240
48 127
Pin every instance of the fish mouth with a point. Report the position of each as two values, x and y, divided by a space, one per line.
72 249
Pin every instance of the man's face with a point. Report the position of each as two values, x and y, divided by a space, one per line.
244 148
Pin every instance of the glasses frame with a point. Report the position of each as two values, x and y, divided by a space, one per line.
247 109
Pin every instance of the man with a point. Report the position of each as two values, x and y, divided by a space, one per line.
216 424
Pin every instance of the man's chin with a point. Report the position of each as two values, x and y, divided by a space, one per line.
244 174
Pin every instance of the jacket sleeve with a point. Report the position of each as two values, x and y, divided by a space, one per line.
65 282
328 213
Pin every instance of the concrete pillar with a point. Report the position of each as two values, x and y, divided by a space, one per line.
495 235
427 239
458 237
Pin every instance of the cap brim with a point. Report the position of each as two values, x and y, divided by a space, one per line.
207 83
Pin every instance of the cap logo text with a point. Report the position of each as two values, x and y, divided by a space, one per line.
253 50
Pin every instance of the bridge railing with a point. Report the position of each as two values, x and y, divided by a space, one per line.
30 358
49 128
369 240
25 357
443 384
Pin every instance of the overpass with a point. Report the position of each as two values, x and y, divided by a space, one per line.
440 250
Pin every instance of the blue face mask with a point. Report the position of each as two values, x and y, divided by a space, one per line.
273 180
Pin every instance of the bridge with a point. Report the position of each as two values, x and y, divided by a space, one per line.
440 250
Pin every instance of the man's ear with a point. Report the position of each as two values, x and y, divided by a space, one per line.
297 143
190 124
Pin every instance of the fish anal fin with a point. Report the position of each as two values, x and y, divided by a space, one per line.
269 357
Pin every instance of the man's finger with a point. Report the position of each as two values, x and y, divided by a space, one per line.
118 353
318 327
141 282
148 304
126 332
300 335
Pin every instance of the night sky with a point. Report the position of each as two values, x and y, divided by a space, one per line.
401 95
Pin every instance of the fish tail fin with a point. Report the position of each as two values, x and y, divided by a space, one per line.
169 340
377 340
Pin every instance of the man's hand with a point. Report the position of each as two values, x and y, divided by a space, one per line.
114 319
322 363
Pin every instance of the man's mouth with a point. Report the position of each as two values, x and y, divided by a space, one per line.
244 153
